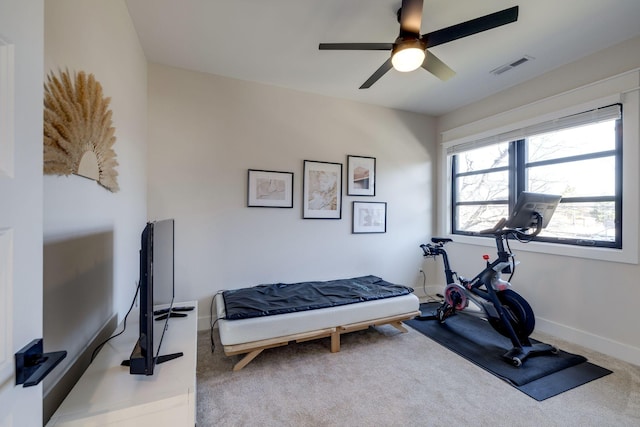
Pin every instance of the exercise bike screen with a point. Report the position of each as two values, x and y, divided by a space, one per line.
529 203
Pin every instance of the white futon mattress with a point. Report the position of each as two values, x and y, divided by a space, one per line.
242 331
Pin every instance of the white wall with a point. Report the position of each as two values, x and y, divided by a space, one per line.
20 203
583 299
205 132
92 236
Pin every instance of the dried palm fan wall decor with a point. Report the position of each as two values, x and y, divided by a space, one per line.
78 131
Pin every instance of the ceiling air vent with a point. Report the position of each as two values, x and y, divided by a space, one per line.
506 67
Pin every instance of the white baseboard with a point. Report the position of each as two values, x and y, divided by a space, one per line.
204 323
604 345
585 339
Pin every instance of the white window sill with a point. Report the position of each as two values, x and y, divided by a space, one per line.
627 256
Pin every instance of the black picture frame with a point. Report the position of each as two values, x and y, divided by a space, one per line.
361 176
369 217
321 190
269 189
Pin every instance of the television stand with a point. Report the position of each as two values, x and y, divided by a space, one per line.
159 359
168 357
107 394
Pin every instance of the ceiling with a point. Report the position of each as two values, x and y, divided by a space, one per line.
276 42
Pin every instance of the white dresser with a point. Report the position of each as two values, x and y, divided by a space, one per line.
107 394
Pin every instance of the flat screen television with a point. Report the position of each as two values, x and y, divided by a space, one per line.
156 287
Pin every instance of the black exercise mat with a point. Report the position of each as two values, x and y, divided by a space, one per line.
540 376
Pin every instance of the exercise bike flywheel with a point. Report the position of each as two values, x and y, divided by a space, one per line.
455 295
518 312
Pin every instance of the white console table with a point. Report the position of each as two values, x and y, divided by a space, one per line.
107 394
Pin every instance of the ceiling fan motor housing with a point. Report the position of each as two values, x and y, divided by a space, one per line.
408 42
408 53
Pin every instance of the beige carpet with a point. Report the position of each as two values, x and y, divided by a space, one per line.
384 378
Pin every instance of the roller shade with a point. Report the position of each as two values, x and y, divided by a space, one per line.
612 112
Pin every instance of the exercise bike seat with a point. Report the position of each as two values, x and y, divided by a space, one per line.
440 240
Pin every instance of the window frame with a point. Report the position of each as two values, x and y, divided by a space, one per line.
459 129
517 168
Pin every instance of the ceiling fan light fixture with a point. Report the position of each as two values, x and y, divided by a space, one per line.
409 50
408 55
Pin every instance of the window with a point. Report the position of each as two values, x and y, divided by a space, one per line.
578 157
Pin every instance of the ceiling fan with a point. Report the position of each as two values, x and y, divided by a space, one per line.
409 51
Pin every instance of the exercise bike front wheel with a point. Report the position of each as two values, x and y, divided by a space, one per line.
518 312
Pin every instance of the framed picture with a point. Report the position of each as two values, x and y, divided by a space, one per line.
369 217
322 190
270 189
361 176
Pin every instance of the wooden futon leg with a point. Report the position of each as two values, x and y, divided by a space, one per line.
399 326
246 359
253 349
335 341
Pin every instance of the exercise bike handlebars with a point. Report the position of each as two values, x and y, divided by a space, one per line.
498 231
519 233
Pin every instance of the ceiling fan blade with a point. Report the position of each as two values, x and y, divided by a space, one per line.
355 46
410 16
435 66
379 73
471 27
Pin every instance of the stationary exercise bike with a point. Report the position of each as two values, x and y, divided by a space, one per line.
506 310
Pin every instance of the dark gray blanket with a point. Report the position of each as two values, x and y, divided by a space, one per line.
280 298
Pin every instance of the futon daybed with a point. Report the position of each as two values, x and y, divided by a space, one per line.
253 319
